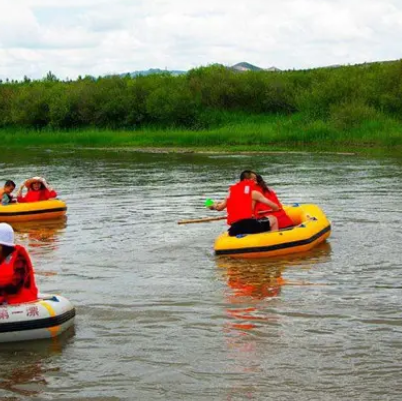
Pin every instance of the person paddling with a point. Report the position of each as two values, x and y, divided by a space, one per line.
17 281
240 204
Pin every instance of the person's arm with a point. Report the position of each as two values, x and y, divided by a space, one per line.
259 197
50 192
274 197
20 197
12 285
219 206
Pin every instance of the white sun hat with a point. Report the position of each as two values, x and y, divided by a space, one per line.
30 181
6 235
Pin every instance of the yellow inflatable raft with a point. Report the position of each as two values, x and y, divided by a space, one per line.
43 210
311 227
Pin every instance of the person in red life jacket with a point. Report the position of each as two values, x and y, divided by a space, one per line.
5 193
240 207
17 281
261 210
38 190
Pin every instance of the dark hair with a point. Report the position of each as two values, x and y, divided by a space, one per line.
261 183
246 175
9 183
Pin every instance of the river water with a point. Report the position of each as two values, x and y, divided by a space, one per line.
159 317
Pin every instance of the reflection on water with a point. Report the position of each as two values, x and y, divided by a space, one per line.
262 278
251 281
42 239
25 365
248 283
40 234
252 299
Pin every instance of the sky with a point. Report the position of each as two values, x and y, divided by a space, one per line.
97 37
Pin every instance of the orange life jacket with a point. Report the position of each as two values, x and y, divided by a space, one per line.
283 219
14 288
240 201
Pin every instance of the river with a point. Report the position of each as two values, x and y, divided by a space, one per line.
159 317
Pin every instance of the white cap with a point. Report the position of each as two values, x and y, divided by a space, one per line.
6 235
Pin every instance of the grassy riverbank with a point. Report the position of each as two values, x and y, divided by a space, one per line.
252 133
351 108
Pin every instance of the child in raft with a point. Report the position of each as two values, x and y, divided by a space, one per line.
38 190
5 193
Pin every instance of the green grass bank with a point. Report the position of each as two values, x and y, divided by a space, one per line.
253 133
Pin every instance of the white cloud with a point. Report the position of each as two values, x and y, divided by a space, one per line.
79 37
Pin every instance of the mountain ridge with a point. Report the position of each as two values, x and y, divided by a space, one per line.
245 66
240 67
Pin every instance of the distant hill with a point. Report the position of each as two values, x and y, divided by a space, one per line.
243 66
273 69
154 71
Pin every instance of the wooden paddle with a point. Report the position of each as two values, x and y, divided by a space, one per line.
202 220
207 219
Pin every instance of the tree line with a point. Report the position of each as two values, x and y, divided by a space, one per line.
204 97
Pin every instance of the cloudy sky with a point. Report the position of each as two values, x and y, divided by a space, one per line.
97 37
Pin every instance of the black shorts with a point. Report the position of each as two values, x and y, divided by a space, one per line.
249 226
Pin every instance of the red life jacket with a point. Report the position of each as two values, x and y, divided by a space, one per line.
15 286
283 219
36 196
240 201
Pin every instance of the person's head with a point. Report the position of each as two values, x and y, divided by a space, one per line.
6 238
36 186
9 186
248 175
